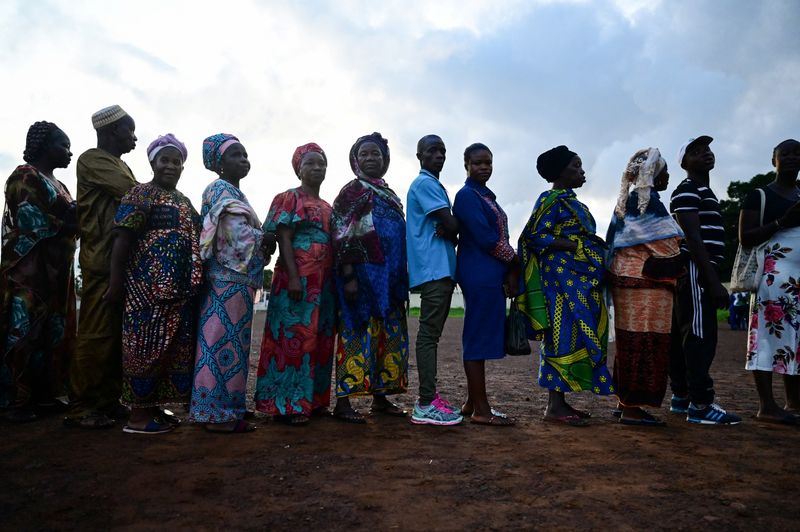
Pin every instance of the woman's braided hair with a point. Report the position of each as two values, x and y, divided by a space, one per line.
36 141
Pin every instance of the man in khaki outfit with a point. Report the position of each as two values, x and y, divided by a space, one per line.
95 372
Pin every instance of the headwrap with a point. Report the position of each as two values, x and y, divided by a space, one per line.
107 115
552 162
639 216
301 151
166 141
214 147
355 240
382 144
641 171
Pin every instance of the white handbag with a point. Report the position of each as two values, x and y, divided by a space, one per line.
749 262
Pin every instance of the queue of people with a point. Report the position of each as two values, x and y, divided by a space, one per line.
167 302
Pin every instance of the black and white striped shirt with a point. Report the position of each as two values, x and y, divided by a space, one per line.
691 197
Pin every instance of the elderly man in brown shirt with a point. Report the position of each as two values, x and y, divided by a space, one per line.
95 372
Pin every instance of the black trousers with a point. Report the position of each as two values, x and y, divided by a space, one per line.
694 340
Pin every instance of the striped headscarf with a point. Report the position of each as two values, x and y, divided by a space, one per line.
214 147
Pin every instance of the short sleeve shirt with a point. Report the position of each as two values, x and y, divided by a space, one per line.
691 197
430 257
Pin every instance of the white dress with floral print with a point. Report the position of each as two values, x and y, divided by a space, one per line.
773 338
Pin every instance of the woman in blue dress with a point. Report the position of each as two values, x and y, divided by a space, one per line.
559 242
487 268
369 240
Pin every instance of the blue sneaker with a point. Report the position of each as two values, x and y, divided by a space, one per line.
678 405
439 412
712 414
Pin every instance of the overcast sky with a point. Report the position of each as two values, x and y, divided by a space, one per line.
604 78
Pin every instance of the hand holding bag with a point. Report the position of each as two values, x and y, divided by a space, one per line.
749 262
516 334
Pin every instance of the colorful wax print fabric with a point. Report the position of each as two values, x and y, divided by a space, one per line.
163 275
37 316
230 244
574 348
372 352
294 368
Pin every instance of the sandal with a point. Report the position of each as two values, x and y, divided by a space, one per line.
240 427
389 409
493 420
350 416
169 417
293 420
20 415
647 420
467 412
92 421
153 427
571 420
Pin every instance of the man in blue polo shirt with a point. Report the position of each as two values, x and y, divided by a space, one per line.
431 236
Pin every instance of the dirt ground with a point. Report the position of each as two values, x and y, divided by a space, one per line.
390 474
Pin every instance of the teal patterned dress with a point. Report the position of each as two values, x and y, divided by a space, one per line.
294 368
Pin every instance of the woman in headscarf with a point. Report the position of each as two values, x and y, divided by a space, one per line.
487 270
233 248
560 247
644 265
294 367
771 217
37 297
155 262
372 284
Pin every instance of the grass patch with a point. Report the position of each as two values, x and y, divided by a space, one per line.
454 312
723 315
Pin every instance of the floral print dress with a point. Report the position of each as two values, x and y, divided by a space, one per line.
773 338
294 368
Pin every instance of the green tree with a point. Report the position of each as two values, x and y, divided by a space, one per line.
267 278
737 192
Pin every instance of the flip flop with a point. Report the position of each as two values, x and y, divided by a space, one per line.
788 419
153 427
390 410
240 427
169 417
494 421
571 420
97 421
647 420
350 416
468 413
293 420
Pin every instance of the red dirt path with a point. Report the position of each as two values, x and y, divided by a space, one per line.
390 474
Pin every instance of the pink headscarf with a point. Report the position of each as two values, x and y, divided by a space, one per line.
300 152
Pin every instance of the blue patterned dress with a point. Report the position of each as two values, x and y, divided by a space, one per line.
233 270
162 276
574 347
372 352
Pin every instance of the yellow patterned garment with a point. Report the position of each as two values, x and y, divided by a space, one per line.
573 356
